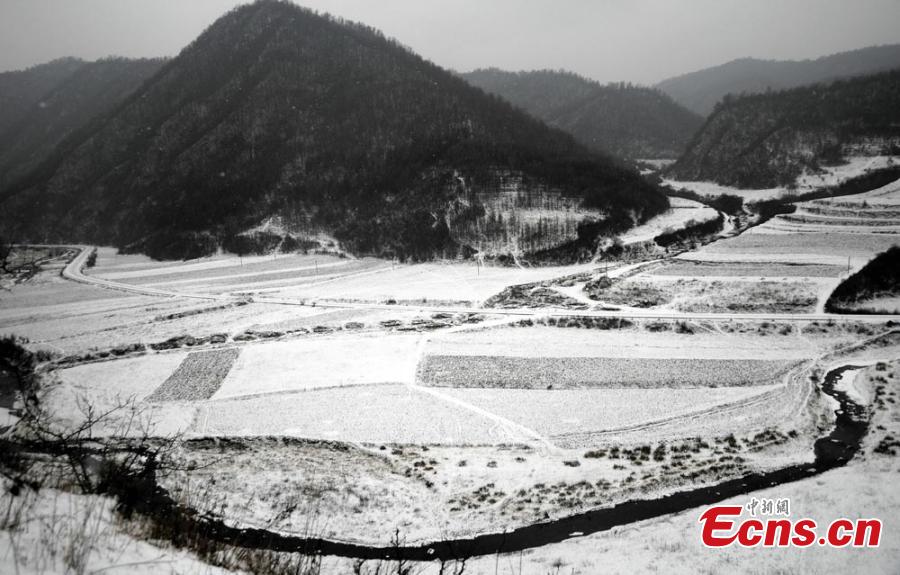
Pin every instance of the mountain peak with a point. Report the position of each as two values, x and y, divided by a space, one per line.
275 111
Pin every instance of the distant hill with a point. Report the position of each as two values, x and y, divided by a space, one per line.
624 120
76 93
699 91
768 140
276 115
21 90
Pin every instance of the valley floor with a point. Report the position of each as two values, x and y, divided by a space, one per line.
364 400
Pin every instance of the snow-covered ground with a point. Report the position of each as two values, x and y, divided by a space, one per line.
829 176
846 238
679 214
64 532
311 363
406 453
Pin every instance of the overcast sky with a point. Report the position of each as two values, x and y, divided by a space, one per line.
642 41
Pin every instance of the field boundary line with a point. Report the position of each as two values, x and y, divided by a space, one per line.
507 423
502 421
728 407
242 275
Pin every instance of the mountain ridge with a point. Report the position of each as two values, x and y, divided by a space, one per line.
621 119
700 90
768 140
92 89
277 111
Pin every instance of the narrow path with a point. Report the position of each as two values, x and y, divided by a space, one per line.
514 430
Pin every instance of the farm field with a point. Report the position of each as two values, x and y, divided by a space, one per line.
864 488
554 413
121 388
97 318
826 240
454 283
830 176
717 294
421 288
325 277
199 376
833 248
545 373
360 420
707 343
327 361
374 414
686 268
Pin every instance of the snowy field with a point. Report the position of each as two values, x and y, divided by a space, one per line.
326 277
363 417
830 176
331 361
680 213
846 230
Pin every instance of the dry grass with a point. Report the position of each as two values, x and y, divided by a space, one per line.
690 295
198 377
595 372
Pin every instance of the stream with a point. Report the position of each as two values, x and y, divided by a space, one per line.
831 451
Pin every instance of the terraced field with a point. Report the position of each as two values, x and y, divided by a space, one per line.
847 230
829 176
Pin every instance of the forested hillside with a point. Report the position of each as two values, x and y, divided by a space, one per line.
331 127
700 91
21 90
624 120
768 140
76 93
